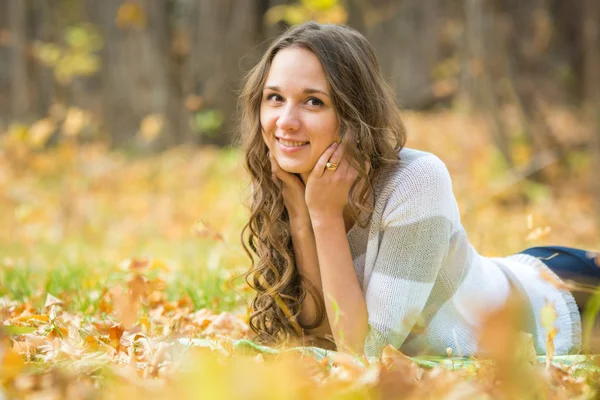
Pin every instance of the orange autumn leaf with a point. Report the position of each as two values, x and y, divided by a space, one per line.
395 360
114 333
125 306
399 374
11 363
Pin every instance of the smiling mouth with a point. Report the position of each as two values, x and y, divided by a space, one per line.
290 143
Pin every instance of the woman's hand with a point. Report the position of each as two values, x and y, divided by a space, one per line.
292 192
326 192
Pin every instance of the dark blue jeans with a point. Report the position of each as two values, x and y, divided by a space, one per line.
572 264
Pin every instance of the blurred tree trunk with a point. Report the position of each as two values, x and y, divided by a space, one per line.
42 22
527 49
186 48
223 35
5 73
569 46
591 34
136 80
189 56
356 14
479 58
406 37
19 90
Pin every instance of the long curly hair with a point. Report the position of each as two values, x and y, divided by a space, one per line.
371 130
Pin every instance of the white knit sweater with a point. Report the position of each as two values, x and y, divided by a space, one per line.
425 286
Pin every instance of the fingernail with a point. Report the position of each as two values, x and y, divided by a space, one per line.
334 144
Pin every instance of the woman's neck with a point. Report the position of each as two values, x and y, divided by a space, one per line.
304 177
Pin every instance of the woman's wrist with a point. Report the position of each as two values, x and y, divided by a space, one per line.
301 224
319 220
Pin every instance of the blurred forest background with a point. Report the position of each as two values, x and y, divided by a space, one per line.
122 190
182 60
150 75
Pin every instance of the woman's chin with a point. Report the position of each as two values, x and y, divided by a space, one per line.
294 169
297 171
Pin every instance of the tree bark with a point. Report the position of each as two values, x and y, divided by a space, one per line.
405 36
482 90
5 73
591 34
19 90
136 79
42 75
223 49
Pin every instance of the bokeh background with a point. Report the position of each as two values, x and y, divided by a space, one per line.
123 193
117 124
181 60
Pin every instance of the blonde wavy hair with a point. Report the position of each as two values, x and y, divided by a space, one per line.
371 130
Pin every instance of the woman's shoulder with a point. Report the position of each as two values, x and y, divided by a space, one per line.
409 156
419 185
416 168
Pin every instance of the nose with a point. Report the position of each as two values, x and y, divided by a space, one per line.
288 119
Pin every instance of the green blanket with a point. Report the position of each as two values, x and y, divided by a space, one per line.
245 346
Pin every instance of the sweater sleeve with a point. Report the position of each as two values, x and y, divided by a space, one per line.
415 235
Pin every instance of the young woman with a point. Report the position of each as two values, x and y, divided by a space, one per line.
355 237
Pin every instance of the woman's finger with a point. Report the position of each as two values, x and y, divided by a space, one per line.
337 155
323 160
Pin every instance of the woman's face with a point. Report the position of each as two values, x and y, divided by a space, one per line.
297 117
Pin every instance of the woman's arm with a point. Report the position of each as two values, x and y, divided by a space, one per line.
305 251
326 197
344 301
327 266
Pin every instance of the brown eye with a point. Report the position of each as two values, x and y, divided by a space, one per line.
315 102
274 97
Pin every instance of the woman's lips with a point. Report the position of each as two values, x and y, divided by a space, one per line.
290 149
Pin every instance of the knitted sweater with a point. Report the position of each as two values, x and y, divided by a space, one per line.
426 288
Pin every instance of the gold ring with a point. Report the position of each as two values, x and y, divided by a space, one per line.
331 166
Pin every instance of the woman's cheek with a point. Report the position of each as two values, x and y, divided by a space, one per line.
267 141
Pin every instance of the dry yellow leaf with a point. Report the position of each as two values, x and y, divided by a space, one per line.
35 319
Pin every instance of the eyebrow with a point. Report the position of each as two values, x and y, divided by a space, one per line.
306 90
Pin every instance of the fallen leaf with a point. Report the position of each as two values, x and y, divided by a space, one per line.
52 301
11 363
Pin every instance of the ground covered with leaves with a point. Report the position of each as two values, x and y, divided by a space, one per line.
121 275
